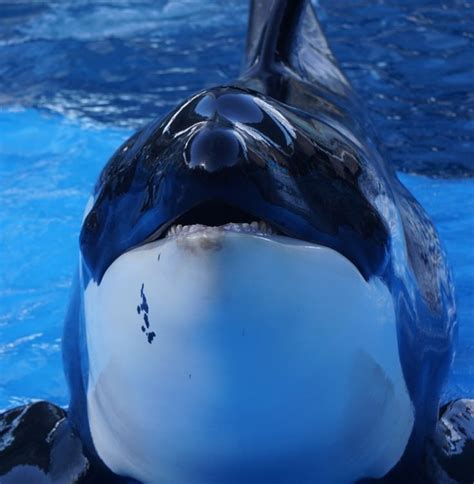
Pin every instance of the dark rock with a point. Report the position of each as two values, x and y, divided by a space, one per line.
451 454
38 446
19 445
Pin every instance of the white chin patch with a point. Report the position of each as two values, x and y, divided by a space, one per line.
224 357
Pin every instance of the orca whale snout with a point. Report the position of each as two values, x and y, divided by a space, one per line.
231 147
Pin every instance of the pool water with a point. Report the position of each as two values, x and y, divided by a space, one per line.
77 77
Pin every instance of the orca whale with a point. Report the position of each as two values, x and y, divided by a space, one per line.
259 298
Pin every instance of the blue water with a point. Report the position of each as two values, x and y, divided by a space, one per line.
76 77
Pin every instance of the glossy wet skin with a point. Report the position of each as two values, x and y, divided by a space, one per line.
288 145
235 148
233 155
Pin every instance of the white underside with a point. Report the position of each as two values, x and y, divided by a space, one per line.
273 361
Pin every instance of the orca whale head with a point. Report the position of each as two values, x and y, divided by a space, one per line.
240 316
229 155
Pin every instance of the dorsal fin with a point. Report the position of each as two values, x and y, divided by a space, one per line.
287 32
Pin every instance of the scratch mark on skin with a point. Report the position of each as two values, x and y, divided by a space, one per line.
144 304
143 307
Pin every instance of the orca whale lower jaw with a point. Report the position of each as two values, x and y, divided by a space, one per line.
248 359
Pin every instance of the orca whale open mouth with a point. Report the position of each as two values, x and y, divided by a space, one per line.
254 228
212 215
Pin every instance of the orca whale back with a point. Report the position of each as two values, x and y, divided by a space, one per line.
284 38
287 34
287 57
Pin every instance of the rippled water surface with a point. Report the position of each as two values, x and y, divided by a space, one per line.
76 77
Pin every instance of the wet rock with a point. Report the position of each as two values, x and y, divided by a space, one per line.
451 455
38 446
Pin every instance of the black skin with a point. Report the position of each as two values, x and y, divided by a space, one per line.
226 151
226 146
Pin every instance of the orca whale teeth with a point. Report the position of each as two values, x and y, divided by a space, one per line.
257 228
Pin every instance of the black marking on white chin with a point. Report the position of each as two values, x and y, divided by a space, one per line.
144 308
